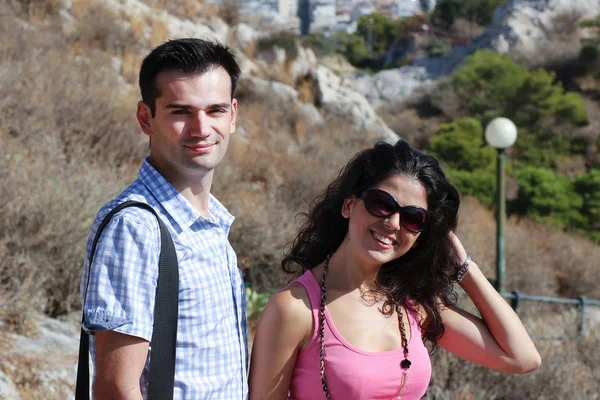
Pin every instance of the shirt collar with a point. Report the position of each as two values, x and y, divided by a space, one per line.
177 206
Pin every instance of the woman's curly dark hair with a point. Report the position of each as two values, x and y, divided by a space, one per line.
424 275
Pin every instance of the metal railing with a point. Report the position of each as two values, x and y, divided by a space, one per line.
515 300
516 297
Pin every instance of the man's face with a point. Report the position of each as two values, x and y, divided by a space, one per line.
195 115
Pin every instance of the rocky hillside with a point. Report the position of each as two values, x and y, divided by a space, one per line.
537 32
70 142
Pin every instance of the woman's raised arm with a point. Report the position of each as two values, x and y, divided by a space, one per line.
498 339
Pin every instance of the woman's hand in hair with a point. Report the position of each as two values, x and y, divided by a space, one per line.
497 339
459 249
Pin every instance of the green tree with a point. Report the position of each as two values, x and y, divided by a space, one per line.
383 31
480 183
481 11
591 22
492 84
462 146
547 196
471 162
438 48
353 47
588 187
542 149
446 12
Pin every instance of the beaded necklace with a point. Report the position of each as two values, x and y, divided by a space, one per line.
404 364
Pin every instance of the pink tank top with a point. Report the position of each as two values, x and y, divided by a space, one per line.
354 374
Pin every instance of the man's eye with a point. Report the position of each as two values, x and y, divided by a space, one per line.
180 112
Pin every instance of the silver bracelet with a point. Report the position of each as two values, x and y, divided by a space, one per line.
463 269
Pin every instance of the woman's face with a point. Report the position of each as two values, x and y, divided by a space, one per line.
375 240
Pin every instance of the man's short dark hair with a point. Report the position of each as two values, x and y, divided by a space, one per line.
189 56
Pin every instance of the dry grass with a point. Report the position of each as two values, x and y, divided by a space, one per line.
563 374
540 260
37 10
68 142
229 11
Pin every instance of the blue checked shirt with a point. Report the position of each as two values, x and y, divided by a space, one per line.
211 358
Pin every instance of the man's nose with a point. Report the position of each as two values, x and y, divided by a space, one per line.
199 124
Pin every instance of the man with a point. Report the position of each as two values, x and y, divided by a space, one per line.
188 111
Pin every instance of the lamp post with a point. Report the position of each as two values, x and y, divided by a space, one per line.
500 133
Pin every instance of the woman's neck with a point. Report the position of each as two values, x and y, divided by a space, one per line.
347 272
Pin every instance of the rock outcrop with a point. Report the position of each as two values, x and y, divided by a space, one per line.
43 366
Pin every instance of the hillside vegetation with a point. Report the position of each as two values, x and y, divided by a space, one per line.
70 143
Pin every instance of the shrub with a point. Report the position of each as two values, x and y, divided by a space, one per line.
353 47
461 145
589 54
283 40
541 150
438 48
382 31
591 22
446 12
545 195
588 187
492 84
320 44
480 184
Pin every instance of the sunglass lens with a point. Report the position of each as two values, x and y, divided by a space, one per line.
379 205
413 218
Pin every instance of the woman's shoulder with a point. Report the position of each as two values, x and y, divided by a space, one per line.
291 302
289 313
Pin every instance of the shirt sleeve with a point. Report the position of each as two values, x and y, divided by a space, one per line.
120 293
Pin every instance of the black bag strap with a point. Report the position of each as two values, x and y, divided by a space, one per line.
161 379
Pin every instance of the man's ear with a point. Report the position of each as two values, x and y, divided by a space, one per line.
347 206
234 114
144 117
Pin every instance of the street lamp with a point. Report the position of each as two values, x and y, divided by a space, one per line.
500 133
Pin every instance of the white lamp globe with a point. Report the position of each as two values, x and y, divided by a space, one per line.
501 133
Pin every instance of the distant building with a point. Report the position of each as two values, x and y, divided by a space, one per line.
408 8
360 9
343 15
405 8
323 14
288 9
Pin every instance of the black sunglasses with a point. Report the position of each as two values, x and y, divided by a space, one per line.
381 204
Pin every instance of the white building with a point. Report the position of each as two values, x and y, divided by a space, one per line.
323 14
288 9
407 8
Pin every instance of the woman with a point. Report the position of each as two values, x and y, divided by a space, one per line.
377 260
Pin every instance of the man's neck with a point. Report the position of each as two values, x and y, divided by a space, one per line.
196 190
194 186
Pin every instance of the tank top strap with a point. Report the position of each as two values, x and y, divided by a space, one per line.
413 317
310 284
